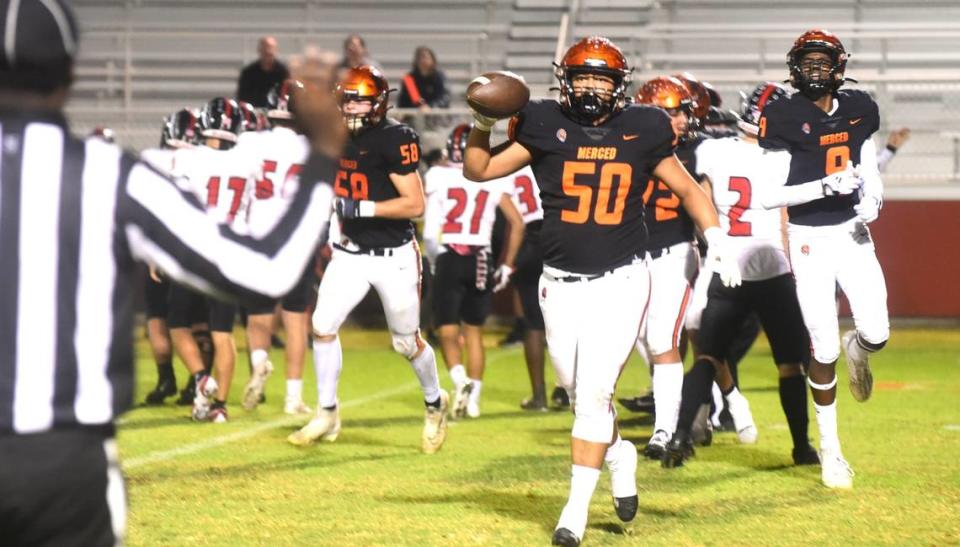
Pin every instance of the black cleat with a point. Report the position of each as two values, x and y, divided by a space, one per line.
679 449
642 403
657 445
626 508
562 536
806 455
166 387
560 398
188 393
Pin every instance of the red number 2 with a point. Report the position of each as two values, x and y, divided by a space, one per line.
459 195
740 185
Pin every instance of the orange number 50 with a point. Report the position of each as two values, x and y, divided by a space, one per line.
837 158
603 214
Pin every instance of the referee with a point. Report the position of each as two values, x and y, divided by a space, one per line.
75 216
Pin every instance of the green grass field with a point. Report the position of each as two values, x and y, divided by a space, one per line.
502 479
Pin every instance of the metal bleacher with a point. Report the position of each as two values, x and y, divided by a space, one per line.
141 59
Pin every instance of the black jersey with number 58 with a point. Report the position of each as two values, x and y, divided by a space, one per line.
820 144
592 181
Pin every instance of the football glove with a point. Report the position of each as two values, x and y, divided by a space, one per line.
481 122
868 209
842 183
501 277
720 257
353 208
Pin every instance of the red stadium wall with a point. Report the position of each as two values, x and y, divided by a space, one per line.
918 245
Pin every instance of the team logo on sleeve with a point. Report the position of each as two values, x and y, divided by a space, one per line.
805 250
805 128
562 135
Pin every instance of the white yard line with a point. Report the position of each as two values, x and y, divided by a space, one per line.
192 448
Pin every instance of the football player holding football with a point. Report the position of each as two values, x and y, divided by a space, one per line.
827 131
593 155
378 191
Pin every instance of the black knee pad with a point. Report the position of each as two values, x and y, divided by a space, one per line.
870 346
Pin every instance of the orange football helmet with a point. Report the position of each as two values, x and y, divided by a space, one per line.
670 94
593 55
811 82
364 83
701 97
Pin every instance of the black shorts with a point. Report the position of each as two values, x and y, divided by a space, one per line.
156 295
59 488
186 307
221 315
527 277
455 295
297 300
775 302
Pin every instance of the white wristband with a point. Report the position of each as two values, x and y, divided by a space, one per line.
367 208
713 235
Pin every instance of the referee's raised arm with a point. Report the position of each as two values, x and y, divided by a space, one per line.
75 216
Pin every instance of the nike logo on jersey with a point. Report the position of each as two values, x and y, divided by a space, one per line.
630 137
363 152
855 121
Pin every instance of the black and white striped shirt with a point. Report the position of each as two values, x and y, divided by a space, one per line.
75 216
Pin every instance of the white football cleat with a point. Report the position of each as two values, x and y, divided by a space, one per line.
461 397
205 389
858 368
295 407
473 409
325 426
742 419
435 425
254 388
835 472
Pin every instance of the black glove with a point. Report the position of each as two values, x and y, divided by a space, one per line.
348 208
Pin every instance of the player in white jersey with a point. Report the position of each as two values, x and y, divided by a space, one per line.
280 153
221 179
737 170
456 234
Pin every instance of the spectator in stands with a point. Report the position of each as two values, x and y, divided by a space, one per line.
355 53
424 87
260 76
895 140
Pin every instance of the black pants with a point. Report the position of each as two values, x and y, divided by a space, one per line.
527 277
60 488
298 300
456 297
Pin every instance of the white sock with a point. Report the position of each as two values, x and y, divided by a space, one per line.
458 374
327 362
827 423
475 391
717 405
667 390
583 481
294 390
739 408
258 356
425 367
612 456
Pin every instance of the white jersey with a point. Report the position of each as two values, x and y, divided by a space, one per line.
738 171
460 211
220 179
279 155
159 158
526 195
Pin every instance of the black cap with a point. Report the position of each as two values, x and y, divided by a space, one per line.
38 42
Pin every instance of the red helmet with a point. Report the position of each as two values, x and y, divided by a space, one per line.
457 142
280 99
364 83
701 97
813 85
593 55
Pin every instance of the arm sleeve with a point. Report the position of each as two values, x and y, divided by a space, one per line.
168 227
870 170
883 158
774 193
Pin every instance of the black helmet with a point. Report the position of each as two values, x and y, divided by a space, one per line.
179 129
751 106
457 142
222 119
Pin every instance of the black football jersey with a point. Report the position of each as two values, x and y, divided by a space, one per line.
820 144
592 181
366 164
667 221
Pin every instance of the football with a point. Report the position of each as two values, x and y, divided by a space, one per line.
498 94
